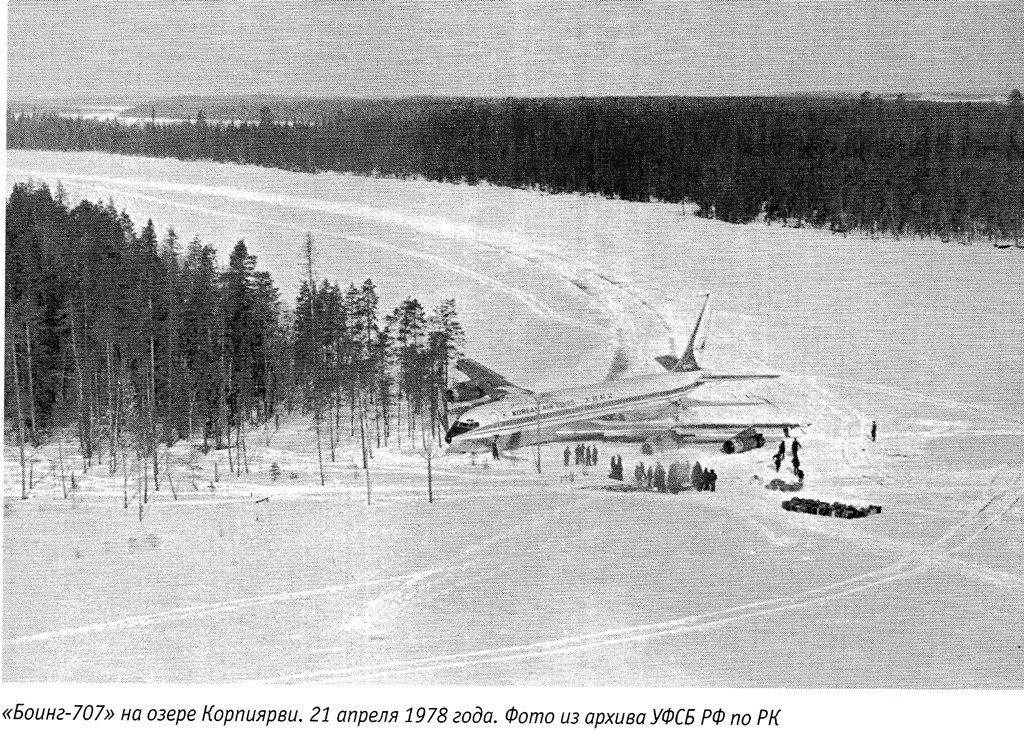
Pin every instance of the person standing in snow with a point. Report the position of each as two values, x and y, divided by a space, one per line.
659 477
650 477
494 449
714 480
874 430
639 472
593 456
565 456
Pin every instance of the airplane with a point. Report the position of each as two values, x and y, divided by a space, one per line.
492 411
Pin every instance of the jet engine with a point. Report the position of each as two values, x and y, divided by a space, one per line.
744 441
465 391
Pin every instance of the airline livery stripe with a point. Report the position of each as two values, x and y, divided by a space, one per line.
500 427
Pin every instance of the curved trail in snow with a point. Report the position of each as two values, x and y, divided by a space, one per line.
535 305
410 584
936 553
201 609
541 254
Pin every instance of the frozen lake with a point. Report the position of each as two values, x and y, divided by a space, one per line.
542 277
514 578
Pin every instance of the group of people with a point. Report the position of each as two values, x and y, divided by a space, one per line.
585 454
679 476
780 456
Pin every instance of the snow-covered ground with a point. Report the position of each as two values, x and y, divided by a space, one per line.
513 577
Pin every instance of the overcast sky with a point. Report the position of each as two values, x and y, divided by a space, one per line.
136 50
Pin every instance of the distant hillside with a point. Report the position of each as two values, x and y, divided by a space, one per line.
949 170
310 109
243 108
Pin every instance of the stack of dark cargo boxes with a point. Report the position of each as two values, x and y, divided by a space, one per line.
836 509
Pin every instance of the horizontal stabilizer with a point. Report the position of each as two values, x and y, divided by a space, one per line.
668 362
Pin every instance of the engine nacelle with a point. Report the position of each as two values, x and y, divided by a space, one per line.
744 441
465 391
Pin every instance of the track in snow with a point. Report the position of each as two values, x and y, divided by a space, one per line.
202 609
936 553
543 254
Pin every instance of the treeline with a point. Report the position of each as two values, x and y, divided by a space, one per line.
136 341
870 165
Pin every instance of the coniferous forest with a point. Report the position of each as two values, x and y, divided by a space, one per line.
892 166
130 341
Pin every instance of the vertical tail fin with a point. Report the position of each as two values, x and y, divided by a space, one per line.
688 362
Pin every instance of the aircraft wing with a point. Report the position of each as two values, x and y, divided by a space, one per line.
688 403
488 381
736 376
640 431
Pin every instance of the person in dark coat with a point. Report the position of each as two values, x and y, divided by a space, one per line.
579 453
659 477
695 476
588 456
874 430
593 456
494 449
639 473
796 445
619 468
780 455
614 472
650 477
714 480
566 456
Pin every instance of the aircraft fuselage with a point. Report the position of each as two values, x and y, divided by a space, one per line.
522 420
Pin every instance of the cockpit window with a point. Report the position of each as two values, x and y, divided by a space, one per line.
460 427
